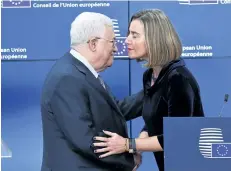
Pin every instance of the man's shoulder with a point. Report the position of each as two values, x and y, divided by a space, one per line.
62 82
64 66
62 72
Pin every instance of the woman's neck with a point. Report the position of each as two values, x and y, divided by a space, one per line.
156 71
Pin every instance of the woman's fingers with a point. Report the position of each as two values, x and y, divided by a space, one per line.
106 154
109 133
101 150
101 139
100 144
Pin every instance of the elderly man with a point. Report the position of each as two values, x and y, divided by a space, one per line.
76 104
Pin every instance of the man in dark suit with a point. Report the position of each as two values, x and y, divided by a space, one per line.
76 104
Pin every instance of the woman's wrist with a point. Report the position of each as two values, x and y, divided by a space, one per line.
130 145
126 145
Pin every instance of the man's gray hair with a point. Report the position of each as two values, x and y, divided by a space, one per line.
87 25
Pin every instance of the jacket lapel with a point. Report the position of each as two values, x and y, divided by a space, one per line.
95 83
105 93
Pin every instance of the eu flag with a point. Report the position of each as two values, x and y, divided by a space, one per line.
16 3
221 150
122 48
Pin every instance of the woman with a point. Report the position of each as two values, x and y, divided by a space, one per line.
170 88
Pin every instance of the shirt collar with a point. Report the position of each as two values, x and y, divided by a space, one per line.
82 59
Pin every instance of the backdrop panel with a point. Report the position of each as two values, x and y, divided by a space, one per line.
203 28
21 118
21 121
40 29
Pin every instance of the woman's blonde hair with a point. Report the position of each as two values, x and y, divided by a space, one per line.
162 42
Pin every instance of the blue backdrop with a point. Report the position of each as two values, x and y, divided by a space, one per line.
35 34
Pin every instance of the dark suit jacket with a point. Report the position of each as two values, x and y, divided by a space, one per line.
75 107
174 94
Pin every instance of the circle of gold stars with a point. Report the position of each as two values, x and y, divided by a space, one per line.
224 153
16 3
123 47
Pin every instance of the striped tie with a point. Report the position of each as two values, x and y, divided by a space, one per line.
101 81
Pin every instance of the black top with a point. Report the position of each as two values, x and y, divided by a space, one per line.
174 94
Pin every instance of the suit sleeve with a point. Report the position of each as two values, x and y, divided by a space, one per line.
180 99
71 108
131 106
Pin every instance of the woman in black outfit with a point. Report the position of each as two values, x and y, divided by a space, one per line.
170 90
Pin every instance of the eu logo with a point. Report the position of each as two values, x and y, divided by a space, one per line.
16 3
212 144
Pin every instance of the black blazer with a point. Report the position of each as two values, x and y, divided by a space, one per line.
75 107
174 94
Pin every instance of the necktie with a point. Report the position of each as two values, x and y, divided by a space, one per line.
101 81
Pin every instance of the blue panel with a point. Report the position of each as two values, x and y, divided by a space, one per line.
21 121
43 33
198 25
213 76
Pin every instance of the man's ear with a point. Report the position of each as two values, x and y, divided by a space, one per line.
92 43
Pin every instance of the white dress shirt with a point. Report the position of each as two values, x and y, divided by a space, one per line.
82 59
